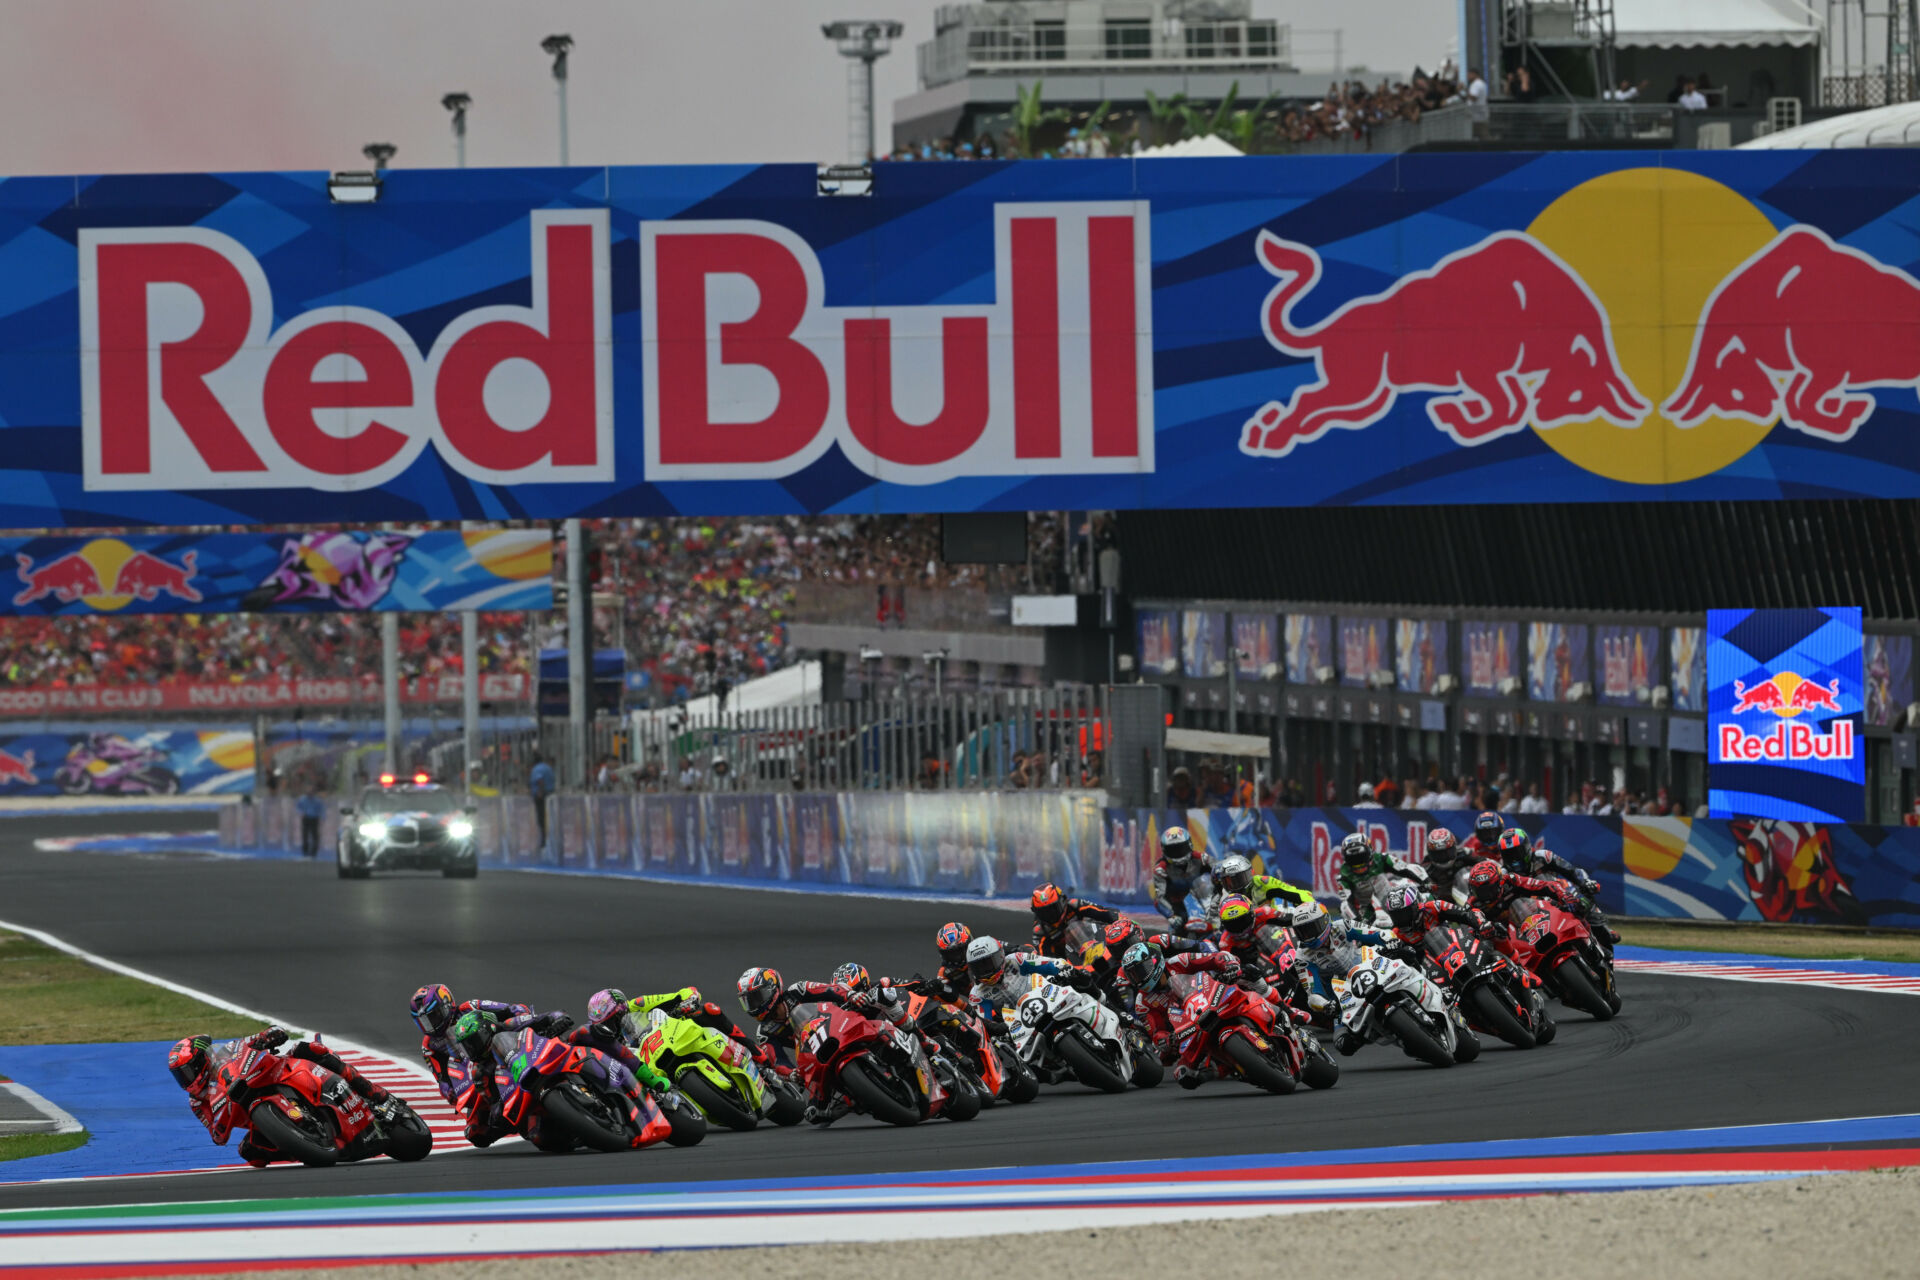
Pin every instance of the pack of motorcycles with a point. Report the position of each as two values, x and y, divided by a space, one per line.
948 1060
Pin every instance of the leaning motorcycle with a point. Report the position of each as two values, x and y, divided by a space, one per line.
970 1040
717 1074
1387 1002
538 1076
1060 1027
1559 948
309 1114
1496 995
881 1070
1240 1035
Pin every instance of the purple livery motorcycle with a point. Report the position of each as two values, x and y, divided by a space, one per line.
108 764
343 569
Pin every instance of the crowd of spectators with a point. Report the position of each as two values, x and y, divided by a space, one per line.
1508 795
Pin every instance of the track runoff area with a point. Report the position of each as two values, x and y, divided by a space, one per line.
1707 1076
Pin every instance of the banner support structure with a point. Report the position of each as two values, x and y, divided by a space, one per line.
390 685
469 697
578 655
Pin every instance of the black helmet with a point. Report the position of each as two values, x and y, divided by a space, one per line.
1513 849
760 992
1176 846
1356 851
1488 826
1403 907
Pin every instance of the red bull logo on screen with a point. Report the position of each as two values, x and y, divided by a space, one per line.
751 374
1786 695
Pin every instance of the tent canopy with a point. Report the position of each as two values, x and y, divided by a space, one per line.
1715 24
1894 126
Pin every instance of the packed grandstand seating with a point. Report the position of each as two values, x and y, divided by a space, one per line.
690 587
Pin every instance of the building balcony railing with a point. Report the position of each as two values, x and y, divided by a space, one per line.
1117 46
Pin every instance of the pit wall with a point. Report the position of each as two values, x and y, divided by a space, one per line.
1001 844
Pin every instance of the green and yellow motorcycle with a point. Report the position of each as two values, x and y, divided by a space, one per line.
717 1074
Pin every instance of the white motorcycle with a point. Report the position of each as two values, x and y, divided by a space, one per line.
1387 1002
1057 1026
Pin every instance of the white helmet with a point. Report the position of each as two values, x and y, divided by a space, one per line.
986 959
1234 874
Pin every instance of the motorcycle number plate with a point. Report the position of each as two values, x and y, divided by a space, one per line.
1032 1011
1454 960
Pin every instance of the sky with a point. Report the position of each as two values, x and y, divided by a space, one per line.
122 86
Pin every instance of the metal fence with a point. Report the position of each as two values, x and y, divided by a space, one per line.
1547 124
998 739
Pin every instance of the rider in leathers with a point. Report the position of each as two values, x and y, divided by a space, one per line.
1492 889
1154 998
610 1028
1448 857
196 1061
1365 871
773 1004
1175 875
1331 948
472 1038
1518 856
435 1011
1235 875
1053 911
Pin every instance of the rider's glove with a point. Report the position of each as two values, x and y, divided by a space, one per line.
1418 872
553 1025
1081 979
271 1038
1230 971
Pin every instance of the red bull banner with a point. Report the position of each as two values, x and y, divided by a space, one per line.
236 349
269 694
329 571
1786 694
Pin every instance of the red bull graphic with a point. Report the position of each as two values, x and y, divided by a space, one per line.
1784 712
105 574
66 578
1539 351
17 770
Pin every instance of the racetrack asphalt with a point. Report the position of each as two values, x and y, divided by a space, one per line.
342 957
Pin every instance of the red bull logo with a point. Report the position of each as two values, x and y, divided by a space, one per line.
1787 694
106 574
16 769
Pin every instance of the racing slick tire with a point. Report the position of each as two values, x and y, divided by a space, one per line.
1256 1068
1491 1012
1320 1071
875 1098
1416 1039
587 1119
721 1107
964 1100
1577 990
689 1127
789 1106
1020 1084
1088 1067
408 1138
310 1143
1147 1069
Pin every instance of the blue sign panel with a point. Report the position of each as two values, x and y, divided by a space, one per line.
196 349
1785 697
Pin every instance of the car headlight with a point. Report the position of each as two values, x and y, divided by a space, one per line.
459 828
373 830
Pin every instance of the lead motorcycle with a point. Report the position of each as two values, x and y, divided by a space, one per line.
307 1113
1240 1035
1496 995
1387 1002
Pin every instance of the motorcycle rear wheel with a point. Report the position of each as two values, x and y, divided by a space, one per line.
1256 1068
1087 1066
578 1117
964 1099
721 1108
874 1098
408 1138
1416 1039
1020 1084
788 1106
1148 1071
1577 989
689 1127
312 1146
1319 1071
1491 1012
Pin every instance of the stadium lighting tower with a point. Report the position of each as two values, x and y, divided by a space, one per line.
379 153
863 42
458 104
557 47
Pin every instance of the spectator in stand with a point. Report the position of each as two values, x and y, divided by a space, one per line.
720 774
1520 85
1366 800
689 774
1181 793
540 784
1692 99
1415 793
1018 777
1535 803
1216 787
1093 769
310 809
1627 91
1476 90
1581 803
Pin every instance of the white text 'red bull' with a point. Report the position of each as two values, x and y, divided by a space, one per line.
749 374
1787 741
187 384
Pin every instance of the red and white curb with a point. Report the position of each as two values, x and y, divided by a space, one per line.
1729 972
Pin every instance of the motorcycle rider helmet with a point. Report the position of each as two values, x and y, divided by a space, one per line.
434 1009
952 942
1441 843
1309 924
473 1033
1356 851
1120 936
1403 907
1176 846
760 992
986 960
1488 827
610 1018
853 976
1234 875
1144 967
1048 905
1485 880
1236 914
1513 848
189 1063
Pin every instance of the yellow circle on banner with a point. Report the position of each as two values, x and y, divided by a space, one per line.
107 555
1652 244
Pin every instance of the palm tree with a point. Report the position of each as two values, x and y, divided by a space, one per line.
1169 116
1243 131
1029 116
1201 122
